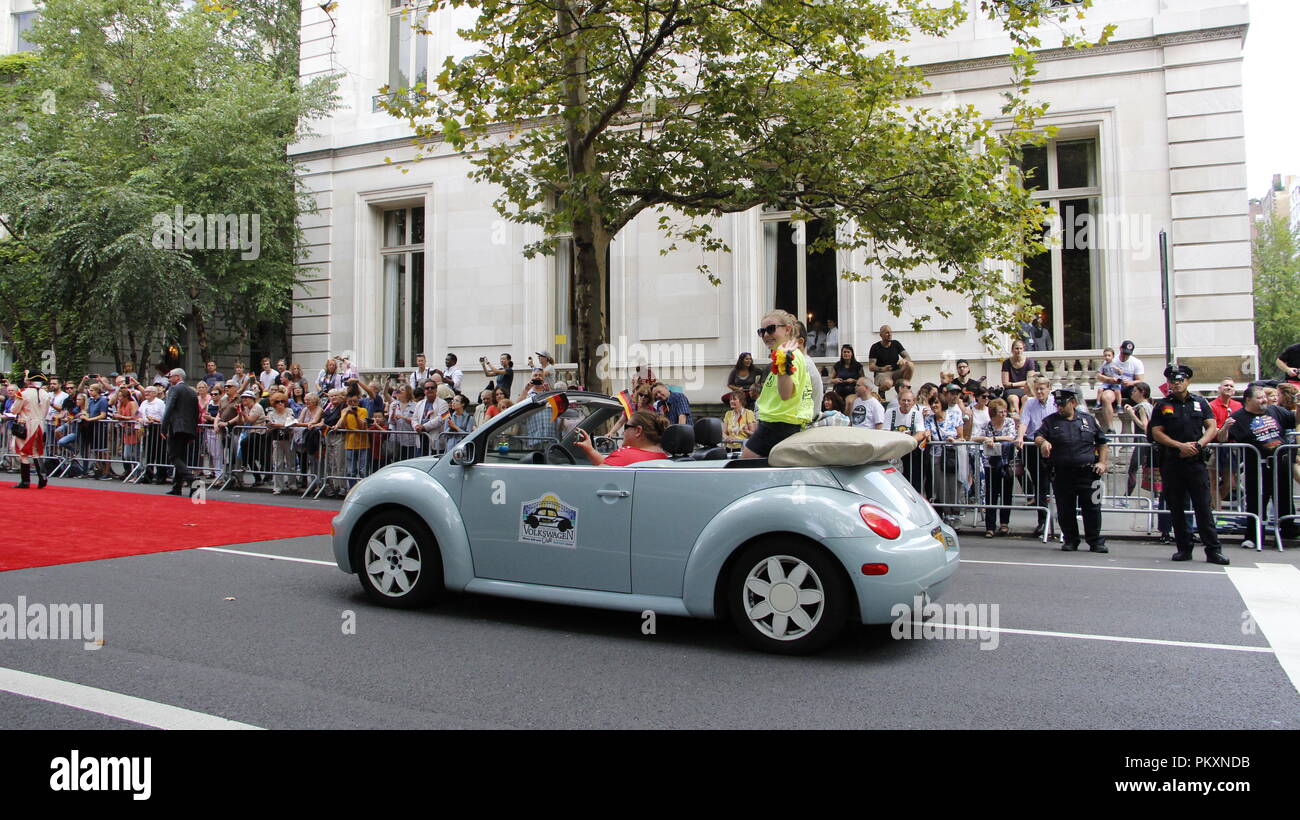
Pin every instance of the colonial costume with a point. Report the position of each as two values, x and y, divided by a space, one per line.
34 405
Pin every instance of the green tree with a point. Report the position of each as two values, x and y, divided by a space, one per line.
586 113
1276 263
133 109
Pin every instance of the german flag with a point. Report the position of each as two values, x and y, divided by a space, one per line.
559 404
625 399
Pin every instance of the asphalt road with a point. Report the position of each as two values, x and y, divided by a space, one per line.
261 641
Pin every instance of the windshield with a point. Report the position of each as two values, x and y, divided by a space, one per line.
533 429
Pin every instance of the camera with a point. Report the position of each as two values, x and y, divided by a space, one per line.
536 382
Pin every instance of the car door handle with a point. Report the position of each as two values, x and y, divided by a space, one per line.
613 493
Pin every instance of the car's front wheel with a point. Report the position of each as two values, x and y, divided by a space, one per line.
787 597
399 561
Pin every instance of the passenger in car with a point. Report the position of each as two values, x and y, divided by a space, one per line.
641 437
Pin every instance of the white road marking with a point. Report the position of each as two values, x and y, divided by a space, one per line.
1095 566
273 557
1272 595
1086 637
112 704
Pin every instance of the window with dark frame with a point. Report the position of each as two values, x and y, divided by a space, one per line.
402 279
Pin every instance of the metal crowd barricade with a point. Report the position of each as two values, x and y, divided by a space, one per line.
204 456
350 455
264 451
1284 478
101 442
956 480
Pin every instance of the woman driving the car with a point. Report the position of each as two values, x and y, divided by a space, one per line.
641 436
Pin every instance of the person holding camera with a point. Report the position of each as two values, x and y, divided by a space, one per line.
1182 426
546 364
504 376
537 383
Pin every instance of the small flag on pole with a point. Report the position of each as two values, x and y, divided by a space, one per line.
558 405
625 399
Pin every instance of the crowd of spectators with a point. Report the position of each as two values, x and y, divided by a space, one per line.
279 426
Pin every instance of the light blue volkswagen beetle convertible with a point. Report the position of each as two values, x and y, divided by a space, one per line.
790 548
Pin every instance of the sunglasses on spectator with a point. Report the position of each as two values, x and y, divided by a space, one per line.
764 331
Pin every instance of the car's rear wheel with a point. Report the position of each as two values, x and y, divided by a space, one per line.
787 596
399 565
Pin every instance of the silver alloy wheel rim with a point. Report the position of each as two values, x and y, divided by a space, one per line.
392 561
783 598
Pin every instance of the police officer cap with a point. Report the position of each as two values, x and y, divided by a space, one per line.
1063 394
1178 372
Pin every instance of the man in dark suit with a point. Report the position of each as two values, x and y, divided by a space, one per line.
180 424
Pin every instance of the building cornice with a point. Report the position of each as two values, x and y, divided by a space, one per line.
1120 47
954 67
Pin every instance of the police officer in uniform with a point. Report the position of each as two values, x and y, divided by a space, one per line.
1074 444
1181 425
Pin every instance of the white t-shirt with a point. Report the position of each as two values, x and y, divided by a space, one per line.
152 409
1131 369
905 422
267 378
868 413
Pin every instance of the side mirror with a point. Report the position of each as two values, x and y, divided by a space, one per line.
463 454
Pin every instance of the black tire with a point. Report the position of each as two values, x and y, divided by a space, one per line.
423 585
532 521
827 619
565 525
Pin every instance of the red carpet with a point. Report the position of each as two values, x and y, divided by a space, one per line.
64 525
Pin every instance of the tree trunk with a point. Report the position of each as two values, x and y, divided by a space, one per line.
201 333
590 241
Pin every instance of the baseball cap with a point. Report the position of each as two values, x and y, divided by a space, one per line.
544 353
1126 347
952 387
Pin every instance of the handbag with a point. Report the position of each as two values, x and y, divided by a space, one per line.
18 429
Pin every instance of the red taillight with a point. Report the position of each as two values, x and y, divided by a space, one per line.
890 470
875 569
880 522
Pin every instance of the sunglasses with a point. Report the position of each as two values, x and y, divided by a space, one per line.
765 331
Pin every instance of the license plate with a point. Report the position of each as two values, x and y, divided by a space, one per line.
944 538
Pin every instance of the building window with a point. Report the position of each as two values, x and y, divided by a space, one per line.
1067 279
403 286
23 22
796 279
408 50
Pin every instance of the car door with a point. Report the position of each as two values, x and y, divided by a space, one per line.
566 526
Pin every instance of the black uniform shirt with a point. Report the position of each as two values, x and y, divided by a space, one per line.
1073 441
1181 420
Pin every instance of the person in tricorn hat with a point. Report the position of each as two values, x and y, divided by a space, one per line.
1075 445
1182 426
30 410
